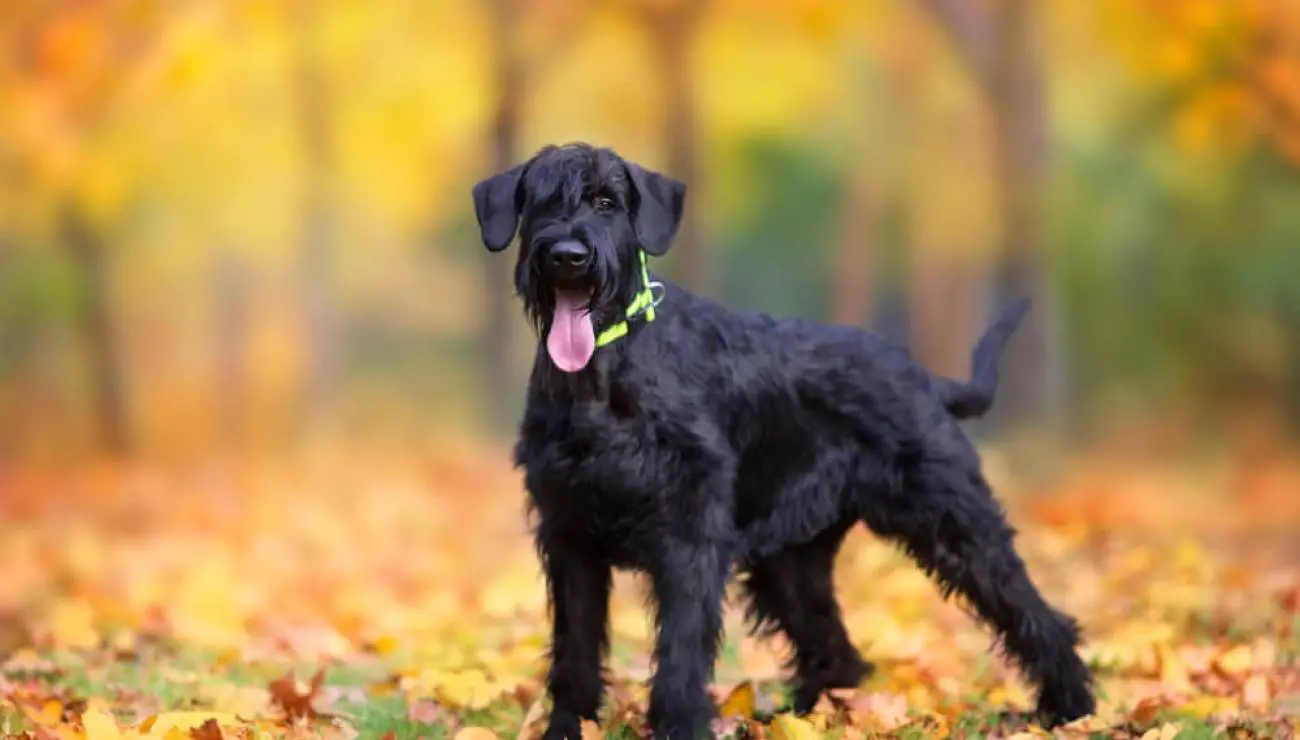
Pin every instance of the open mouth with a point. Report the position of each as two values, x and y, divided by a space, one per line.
571 340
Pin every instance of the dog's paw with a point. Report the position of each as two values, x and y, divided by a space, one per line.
1063 705
563 726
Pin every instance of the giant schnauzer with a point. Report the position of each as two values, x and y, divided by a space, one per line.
668 434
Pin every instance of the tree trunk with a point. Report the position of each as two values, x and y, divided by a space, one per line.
855 262
317 229
998 41
672 31
230 306
1033 365
497 287
100 334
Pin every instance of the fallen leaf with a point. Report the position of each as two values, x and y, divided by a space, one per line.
100 725
1255 693
293 698
739 702
476 733
50 713
534 723
1235 661
790 727
1147 709
878 711
1204 707
1169 730
162 723
1174 675
591 731
209 730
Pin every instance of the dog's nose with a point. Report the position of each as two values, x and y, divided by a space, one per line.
569 255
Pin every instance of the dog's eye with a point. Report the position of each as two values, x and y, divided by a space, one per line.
604 204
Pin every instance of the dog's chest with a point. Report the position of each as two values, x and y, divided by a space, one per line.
593 477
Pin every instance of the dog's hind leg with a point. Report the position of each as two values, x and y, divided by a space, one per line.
793 591
946 518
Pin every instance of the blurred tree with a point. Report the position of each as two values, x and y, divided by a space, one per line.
524 43
855 272
1228 74
508 73
68 65
318 228
672 26
999 44
231 295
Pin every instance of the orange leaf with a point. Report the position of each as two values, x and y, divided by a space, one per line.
209 730
740 702
294 699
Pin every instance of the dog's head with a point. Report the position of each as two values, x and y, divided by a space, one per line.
584 215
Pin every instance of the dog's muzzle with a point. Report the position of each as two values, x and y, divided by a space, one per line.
568 261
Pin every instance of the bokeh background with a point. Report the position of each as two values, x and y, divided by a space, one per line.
227 221
249 336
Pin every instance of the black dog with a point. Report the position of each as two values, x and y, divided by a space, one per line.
668 434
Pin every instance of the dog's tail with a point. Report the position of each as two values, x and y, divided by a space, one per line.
974 398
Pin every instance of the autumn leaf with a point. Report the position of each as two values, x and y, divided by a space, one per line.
293 698
165 722
789 727
100 725
209 730
739 702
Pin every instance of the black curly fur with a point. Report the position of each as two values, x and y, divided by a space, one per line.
710 439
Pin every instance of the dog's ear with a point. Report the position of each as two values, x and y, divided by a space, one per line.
659 202
496 204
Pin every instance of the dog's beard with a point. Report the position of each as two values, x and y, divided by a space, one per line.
566 317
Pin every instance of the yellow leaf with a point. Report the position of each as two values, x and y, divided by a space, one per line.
385 645
470 689
1235 661
1173 671
591 731
72 624
789 727
1087 725
740 702
50 713
100 725
1264 654
476 733
159 725
1207 706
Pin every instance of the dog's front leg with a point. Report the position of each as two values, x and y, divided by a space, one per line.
688 589
578 586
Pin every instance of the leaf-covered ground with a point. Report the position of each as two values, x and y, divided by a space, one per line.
347 597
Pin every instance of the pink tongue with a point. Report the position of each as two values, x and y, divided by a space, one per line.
571 340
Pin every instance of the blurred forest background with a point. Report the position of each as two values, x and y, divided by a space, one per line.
240 224
258 374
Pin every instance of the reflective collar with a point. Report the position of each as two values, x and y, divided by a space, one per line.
644 303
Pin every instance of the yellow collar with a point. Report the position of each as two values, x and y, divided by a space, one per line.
643 302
